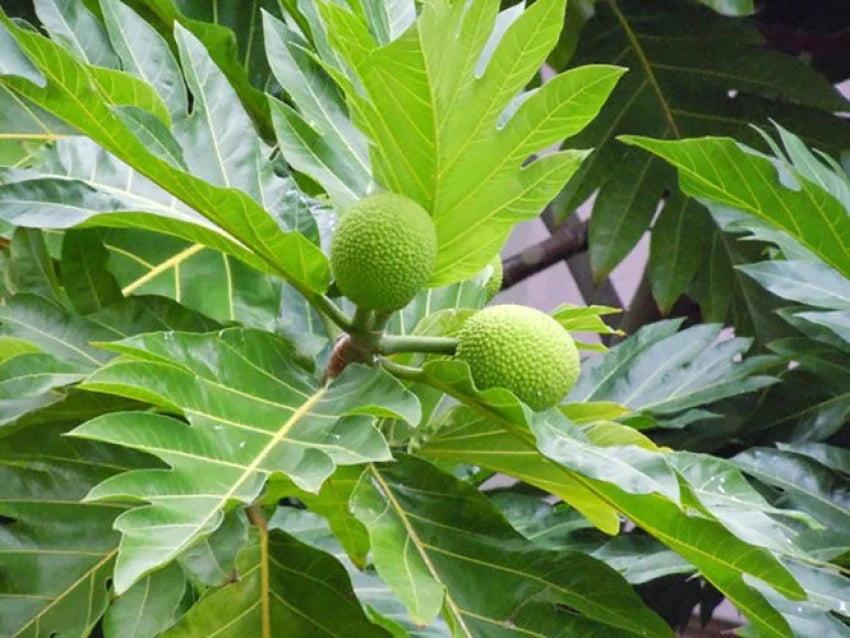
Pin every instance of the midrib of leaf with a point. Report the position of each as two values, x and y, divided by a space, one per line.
647 67
47 137
155 271
420 547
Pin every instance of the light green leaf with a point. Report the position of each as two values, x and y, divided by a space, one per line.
633 468
425 547
253 412
592 411
466 435
585 318
436 126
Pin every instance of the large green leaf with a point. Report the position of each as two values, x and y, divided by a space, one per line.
439 120
72 96
60 350
252 410
283 587
472 437
723 491
56 553
438 556
691 73
375 595
637 556
663 371
495 442
88 284
721 170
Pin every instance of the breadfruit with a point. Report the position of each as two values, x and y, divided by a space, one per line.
521 349
494 283
383 250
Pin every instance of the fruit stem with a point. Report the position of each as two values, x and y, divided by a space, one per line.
392 344
333 312
408 373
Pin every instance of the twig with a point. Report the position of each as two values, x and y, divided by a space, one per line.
563 243
392 344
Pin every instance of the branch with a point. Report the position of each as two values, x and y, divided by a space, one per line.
392 344
563 243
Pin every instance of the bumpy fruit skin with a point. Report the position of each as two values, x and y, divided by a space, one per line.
383 251
521 349
494 284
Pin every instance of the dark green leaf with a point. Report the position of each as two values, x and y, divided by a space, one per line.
148 608
435 555
57 553
663 371
284 587
89 285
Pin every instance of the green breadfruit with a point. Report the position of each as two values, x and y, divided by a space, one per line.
383 251
521 349
494 283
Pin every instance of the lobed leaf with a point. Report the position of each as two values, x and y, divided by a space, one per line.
252 410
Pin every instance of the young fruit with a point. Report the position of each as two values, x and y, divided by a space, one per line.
521 349
494 283
383 251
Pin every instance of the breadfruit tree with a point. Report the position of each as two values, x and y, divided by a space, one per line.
253 377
